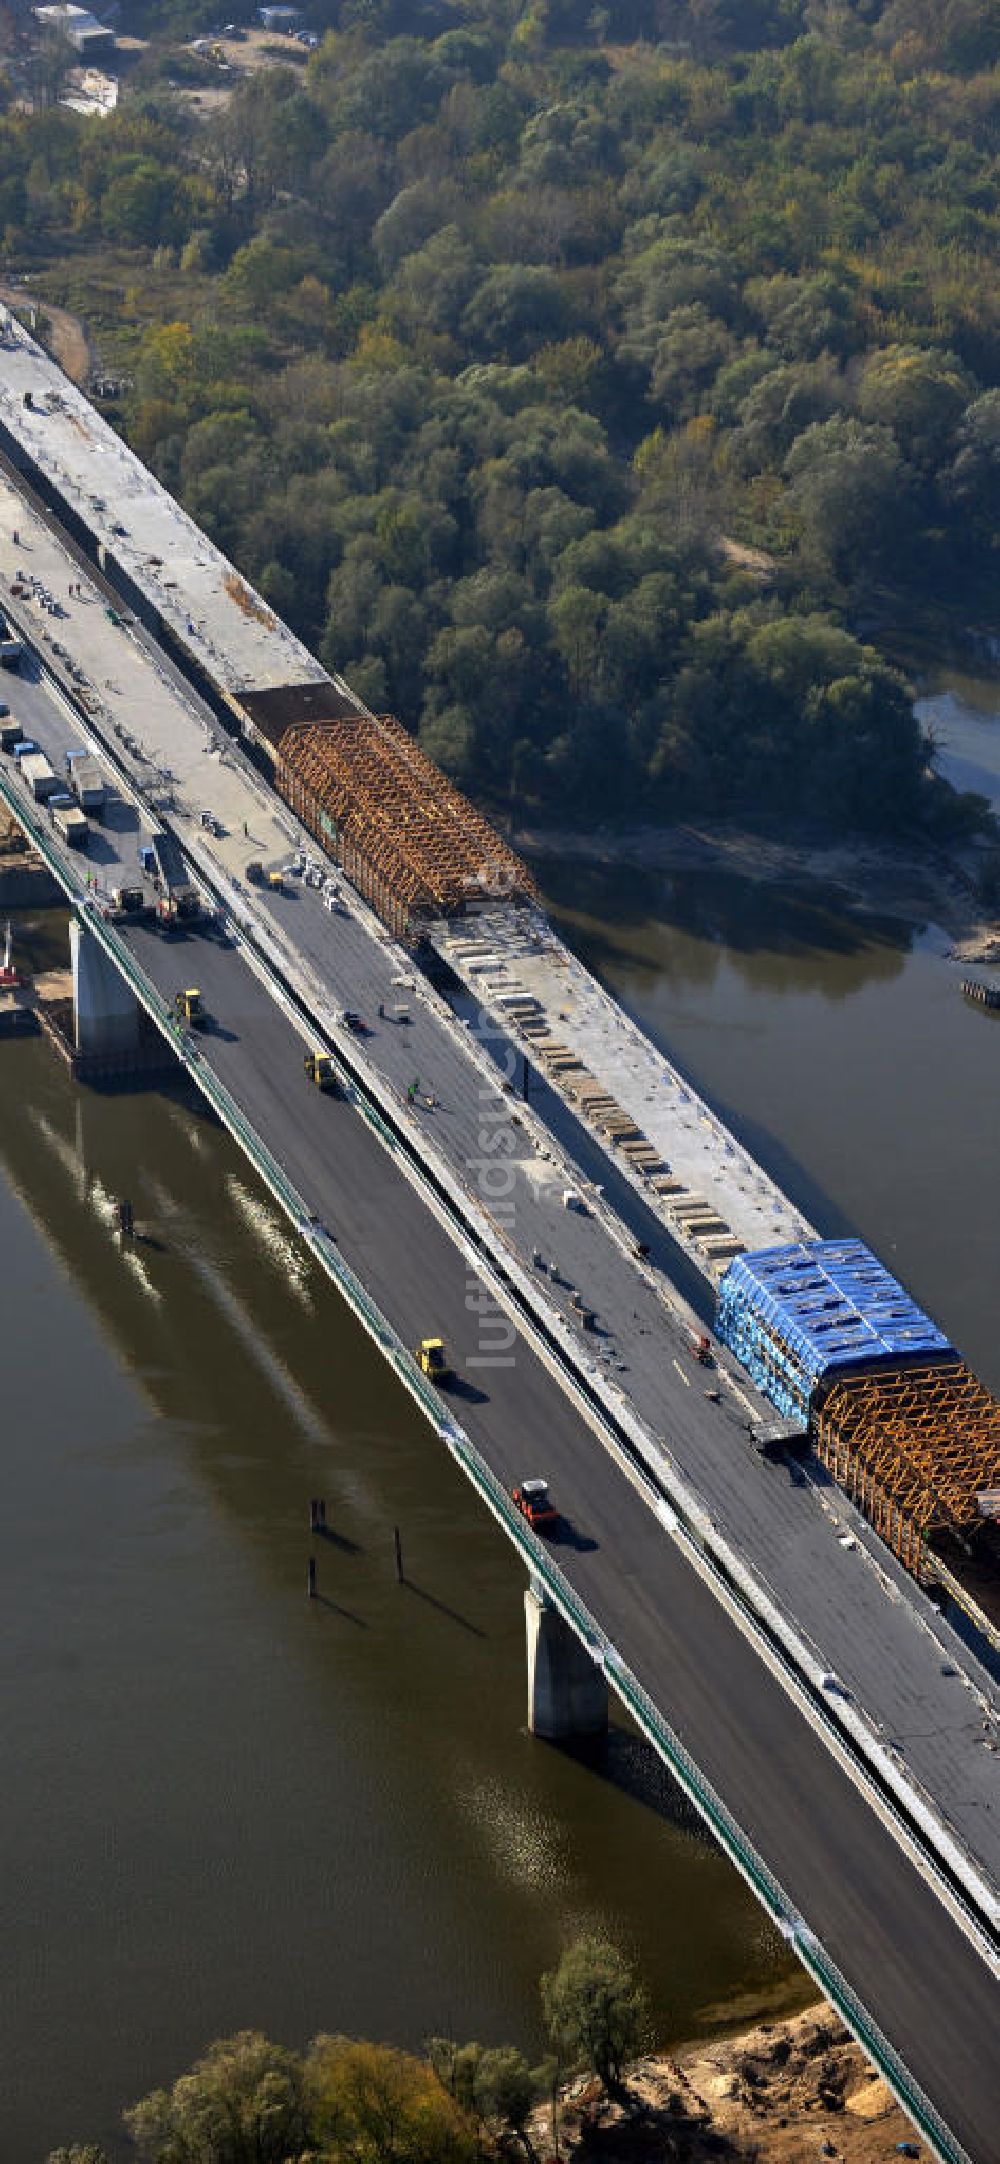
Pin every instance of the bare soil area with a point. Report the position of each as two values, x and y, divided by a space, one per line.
787 2092
64 335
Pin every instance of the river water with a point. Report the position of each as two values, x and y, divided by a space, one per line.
225 1806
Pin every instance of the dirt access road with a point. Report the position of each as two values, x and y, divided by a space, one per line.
65 336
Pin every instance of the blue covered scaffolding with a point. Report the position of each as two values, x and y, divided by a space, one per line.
795 1314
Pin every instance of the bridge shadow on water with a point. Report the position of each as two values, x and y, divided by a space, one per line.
628 1763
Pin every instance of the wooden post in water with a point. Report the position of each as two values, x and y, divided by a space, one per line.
311 1578
399 1554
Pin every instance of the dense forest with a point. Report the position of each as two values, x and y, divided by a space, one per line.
588 383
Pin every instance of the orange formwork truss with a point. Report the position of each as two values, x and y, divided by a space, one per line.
412 843
914 1447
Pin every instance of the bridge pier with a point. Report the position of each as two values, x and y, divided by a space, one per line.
567 1693
105 1011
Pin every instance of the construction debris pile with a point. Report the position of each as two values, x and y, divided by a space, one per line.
412 844
898 1419
691 1216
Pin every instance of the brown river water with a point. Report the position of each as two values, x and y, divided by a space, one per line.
224 1806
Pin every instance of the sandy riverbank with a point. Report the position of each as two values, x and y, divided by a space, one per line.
917 885
786 2091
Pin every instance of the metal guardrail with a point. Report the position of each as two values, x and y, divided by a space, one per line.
701 1793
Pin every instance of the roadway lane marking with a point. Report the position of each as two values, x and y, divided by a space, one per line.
686 1379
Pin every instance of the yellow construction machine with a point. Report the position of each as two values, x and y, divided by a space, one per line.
432 1361
320 1069
188 1008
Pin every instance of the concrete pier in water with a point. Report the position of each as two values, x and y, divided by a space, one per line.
567 1692
105 1011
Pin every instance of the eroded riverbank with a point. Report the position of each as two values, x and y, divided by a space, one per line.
785 2092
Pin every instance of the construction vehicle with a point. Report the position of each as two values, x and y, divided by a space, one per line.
432 1362
320 1069
701 1350
189 1009
128 901
534 1502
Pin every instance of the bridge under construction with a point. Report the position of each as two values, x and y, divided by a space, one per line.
638 1216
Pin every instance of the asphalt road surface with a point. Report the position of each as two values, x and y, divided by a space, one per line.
924 1984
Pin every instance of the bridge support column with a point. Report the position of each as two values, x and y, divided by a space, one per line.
105 1011
567 1693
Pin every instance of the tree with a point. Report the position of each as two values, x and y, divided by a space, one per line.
849 483
576 620
516 309
410 219
972 480
495 2086
506 2091
243 2103
269 136
693 347
370 2104
138 206
87 2152
436 282
920 394
594 2009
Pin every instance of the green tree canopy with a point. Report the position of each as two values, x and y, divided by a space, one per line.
594 2009
243 2103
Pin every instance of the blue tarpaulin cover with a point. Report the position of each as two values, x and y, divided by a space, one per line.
792 1314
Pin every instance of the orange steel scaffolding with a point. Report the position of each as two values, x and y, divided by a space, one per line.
915 1448
409 840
